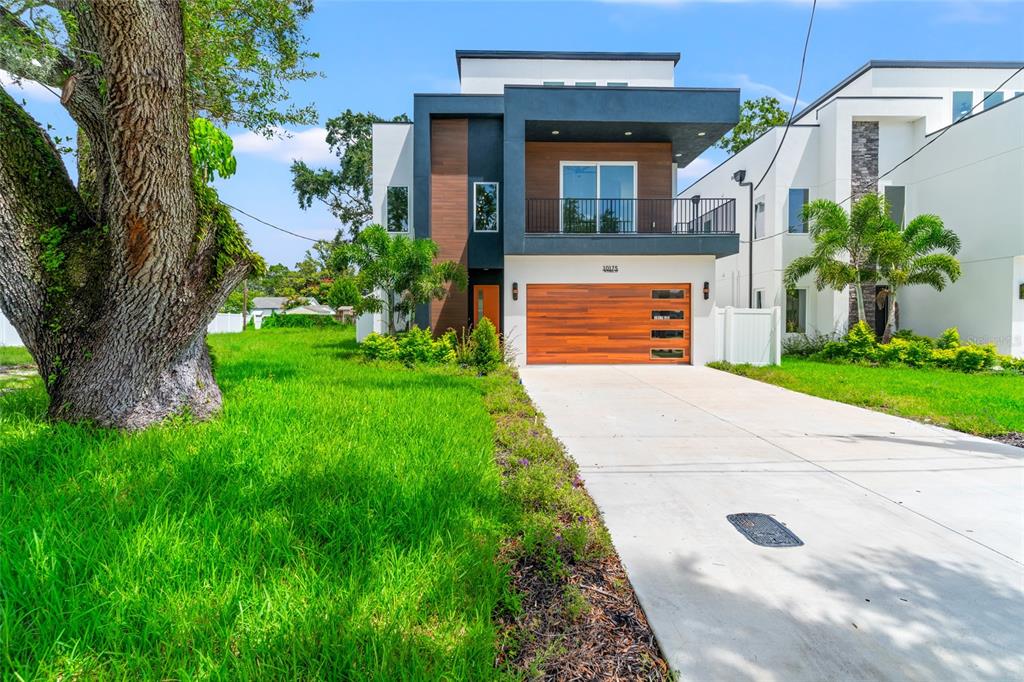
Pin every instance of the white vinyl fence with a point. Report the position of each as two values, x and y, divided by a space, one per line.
8 335
748 335
225 323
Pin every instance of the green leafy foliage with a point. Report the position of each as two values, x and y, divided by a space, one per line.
757 116
912 350
299 321
211 150
394 274
233 247
346 191
241 57
485 353
805 345
416 346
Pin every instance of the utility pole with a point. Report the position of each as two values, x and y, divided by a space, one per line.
739 176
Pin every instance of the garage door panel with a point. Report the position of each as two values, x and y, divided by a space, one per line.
595 323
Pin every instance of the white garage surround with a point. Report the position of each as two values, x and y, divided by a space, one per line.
695 270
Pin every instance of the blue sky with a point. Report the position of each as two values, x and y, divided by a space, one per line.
375 55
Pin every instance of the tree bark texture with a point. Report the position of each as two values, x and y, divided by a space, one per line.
111 284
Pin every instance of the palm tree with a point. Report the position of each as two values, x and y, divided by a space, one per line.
923 252
843 245
395 274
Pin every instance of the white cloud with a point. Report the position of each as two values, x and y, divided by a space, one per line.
309 145
745 82
25 88
694 171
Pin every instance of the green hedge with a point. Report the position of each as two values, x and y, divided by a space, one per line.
302 321
912 350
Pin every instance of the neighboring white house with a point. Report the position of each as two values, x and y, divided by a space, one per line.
971 174
265 306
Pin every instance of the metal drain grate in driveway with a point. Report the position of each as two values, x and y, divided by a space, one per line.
763 530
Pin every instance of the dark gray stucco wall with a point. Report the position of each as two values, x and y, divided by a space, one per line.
485 165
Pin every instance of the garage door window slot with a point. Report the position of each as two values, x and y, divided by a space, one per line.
667 353
666 314
668 293
666 333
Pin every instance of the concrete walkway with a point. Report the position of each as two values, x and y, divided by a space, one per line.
913 563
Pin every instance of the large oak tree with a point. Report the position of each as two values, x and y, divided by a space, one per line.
111 282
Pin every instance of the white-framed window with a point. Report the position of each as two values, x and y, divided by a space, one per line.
759 298
759 217
598 196
586 84
796 311
618 84
396 210
553 83
485 207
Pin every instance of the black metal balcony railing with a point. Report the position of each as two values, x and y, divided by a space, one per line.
630 216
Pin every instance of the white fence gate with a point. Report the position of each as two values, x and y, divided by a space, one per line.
748 335
225 323
8 335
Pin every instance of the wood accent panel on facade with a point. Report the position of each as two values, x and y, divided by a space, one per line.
653 172
602 323
449 213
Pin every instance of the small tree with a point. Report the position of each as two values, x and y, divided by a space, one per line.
923 252
756 117
395 273
345 191
843 253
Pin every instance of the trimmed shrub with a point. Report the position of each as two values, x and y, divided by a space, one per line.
974 357
379 347
416 345
806 345
485 348
276 321
909 335
948 339
912 352
861 344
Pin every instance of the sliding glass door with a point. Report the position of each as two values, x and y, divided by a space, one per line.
598 196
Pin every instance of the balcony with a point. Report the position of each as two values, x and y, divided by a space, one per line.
631 217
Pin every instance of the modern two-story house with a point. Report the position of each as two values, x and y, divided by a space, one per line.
551 176
967 120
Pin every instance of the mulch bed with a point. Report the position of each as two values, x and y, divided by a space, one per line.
1011 438
609 638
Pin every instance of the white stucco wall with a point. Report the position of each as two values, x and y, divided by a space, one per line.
953 177
695 270
973 178
392 167
490 76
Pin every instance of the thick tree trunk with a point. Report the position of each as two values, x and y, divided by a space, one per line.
858 290
112 285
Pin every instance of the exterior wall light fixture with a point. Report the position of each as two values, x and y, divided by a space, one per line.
515 291
707 290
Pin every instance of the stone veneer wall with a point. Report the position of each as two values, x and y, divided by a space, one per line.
863 178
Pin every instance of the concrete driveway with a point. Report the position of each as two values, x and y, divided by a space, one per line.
914 535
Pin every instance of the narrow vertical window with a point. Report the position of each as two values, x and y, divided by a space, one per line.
397 209
485 207
759 298
797 200
963 100
796 311
895 197
759 218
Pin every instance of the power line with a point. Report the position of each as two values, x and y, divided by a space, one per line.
796 97
940 134
279 229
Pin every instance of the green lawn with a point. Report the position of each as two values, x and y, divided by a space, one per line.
338 520
984 404
14 355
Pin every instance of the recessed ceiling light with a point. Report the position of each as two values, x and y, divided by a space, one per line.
628 133
679 154
701 134
554 132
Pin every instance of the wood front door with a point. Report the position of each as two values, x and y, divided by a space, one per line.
487 303
607 323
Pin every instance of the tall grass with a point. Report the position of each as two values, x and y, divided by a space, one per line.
339 520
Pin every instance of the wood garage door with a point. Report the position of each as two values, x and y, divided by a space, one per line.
607 323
